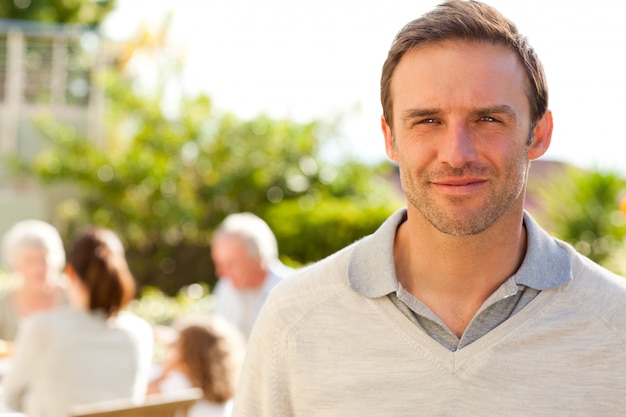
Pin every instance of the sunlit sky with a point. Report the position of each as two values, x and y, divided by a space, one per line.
317 58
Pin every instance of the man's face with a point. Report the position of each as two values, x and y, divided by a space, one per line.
233 261
461 122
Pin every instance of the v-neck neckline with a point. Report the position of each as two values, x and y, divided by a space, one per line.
456 360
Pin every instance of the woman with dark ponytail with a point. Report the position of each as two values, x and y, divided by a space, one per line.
91 351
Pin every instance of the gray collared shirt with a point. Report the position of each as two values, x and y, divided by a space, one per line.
545 266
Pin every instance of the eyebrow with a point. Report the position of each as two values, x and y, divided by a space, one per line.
411 114
507 110
497 109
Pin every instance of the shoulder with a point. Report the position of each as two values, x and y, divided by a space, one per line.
602 291
51 317
175 380
592 276
138 331
59 321
321 275
133 323
42 326
309 286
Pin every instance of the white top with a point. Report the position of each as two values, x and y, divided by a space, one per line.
241 307
68 357
202 408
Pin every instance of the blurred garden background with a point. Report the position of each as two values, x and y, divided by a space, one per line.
83 141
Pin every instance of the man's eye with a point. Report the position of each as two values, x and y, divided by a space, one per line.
426 121
488 119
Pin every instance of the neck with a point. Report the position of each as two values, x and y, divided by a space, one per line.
256 280
454 275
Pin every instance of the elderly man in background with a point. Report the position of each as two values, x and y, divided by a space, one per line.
245 255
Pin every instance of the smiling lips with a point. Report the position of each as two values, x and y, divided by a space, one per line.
459 185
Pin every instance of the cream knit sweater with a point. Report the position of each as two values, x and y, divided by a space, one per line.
320 348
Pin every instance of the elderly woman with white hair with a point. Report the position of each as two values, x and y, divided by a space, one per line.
32 251
93 349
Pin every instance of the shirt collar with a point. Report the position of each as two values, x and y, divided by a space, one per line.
371 270
546 264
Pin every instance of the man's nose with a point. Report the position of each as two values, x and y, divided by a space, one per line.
457 147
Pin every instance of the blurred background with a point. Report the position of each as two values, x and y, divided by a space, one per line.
157 118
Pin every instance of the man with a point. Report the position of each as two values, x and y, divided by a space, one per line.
245 255
460 305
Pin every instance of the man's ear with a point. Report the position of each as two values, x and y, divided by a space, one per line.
542 136
389 143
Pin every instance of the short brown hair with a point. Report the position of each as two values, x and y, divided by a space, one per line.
465 20
97 256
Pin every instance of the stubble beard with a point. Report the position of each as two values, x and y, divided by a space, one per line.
472 222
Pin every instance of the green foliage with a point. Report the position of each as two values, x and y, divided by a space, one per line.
165 182
313 230
84 12
160 309
583 208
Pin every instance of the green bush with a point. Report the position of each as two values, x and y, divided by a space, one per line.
583 208
163 184
160 309
305 236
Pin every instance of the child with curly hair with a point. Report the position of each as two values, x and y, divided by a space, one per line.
207 354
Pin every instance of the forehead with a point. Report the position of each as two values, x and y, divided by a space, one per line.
459 73
32 250
229 246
